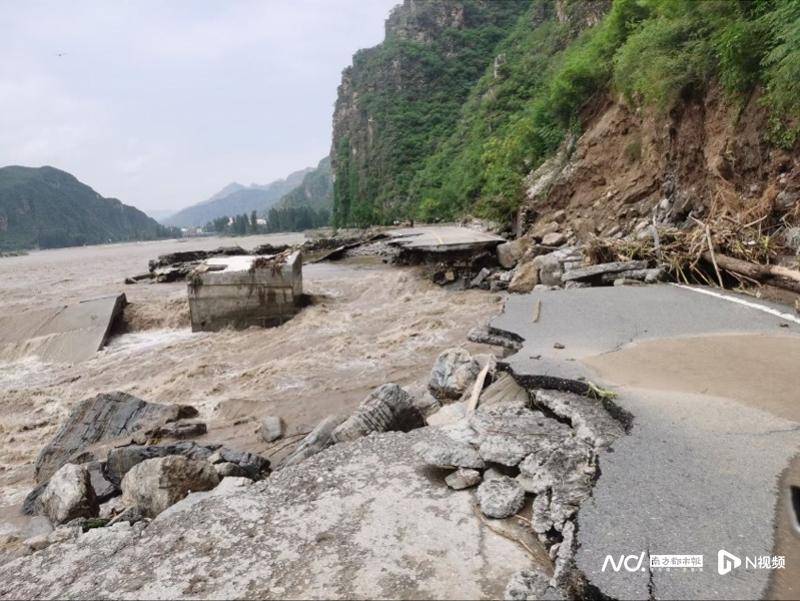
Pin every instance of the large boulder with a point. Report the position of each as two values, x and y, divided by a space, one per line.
271 428
454 371
387 408
69 495
526 276
509 253
155 484
102 418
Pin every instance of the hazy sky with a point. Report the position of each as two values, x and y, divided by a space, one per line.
161 104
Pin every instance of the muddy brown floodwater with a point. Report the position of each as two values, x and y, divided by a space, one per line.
371 324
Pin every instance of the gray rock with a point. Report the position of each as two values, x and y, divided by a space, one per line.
531 585
111 508
104 489
554 239
226 469
454 371
648 276
121 459
271 428
318 439
595 271
509 253
69 495
787 199
500 497
588 417
427 404
155 484
387 408
791 237
445 452
102 418
463 478
479 279
254 466
180 430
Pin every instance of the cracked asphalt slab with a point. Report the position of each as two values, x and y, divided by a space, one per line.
698 472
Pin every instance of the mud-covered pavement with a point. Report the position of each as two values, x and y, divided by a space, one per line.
369 324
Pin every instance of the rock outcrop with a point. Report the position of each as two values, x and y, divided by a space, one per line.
454 371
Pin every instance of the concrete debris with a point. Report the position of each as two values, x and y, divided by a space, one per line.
505 390
445 452
388 407
593 272
463 478
531 585
155 484
504 450
453 373
588 417
483 335
565 471
500 497
448 414
62 334
318 439
647 276
69 495
271 428
517 423
247 291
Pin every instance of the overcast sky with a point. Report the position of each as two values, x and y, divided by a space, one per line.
160 104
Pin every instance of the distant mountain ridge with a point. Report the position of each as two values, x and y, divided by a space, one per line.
48 208
235 199
314 192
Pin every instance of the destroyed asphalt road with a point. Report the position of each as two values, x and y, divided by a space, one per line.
697 473
443 238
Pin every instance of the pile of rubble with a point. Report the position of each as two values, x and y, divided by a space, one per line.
118 458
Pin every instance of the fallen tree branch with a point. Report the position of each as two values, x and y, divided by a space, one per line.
753 270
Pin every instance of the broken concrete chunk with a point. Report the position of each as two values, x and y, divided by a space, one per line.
483 335
463 478
103 418
271 428
519 423
155 484
500 497
531 585
448 414
69 495
388 407
504 390
318 439
588 417
454 371
479 279
445 452
504 450
595 271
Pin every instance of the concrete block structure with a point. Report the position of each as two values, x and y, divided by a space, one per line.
245 290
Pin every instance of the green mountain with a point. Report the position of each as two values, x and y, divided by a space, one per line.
48 208
236 199
464 99
315 191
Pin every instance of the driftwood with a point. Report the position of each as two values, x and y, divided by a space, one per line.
477 388
776 275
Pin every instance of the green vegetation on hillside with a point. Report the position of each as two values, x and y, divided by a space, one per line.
48 208
411 89
652 52
315 191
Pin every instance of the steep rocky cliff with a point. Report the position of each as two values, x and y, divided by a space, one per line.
399 99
